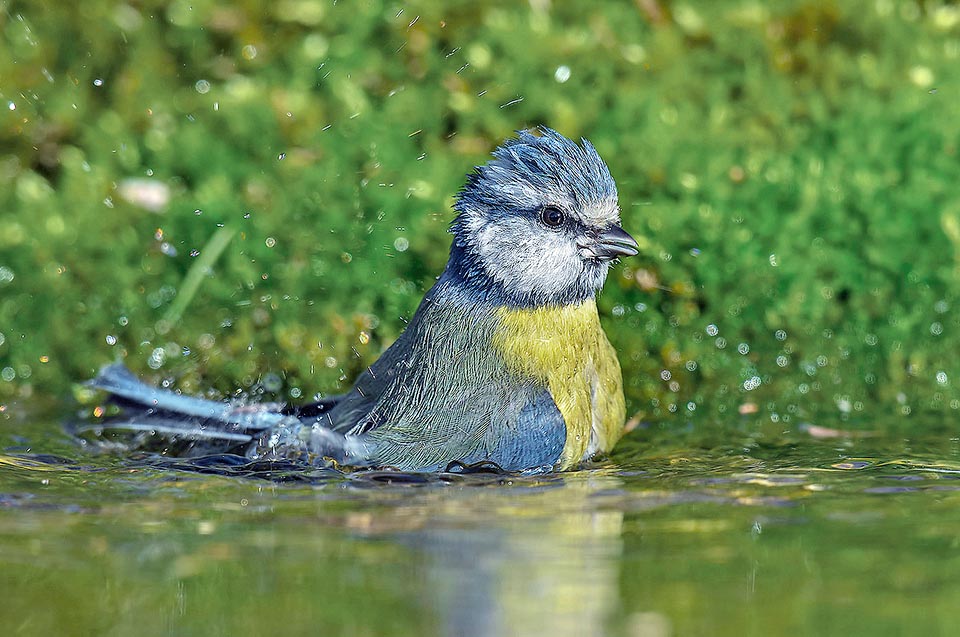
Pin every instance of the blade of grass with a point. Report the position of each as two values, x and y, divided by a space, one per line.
191 282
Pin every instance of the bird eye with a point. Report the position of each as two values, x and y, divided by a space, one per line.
552 216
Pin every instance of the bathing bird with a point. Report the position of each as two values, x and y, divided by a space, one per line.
504 363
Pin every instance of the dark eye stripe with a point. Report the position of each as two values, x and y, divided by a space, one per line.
552 217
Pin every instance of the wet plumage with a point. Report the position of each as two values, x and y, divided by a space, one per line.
503 362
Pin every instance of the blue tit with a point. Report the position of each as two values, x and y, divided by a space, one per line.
504 362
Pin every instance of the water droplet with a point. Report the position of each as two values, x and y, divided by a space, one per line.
198 212
363 337
194 253
98 82
562 74
11 106
281 156
249 52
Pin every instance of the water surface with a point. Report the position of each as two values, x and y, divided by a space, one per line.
676 534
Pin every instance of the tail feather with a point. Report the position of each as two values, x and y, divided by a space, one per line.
150 413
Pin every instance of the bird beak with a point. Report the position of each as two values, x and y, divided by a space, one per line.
611 243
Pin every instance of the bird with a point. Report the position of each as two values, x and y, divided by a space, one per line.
504 363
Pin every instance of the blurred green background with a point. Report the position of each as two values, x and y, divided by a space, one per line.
246 196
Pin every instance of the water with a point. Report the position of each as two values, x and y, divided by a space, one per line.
731 533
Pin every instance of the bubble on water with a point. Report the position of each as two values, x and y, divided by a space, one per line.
98 82
400 244
803 388
11 106
6 275
8 374
672 408
666 375
752 383
674 386
691 406
270 242
295 392
194 253
780 335
782 361
111 339
618 310
942 378
249 52
743 348
281 156
936 328
363 337
941 307
822 361
870 339
198 211
691 366
330 362
202 87
712 330
562 74
168 249
720 342
640 307
844 405
773 260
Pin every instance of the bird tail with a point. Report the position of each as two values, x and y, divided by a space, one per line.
162 419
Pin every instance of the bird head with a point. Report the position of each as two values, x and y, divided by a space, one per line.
539 224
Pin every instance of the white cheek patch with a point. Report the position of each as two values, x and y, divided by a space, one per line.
525 258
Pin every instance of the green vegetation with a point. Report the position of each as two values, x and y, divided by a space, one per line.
792 169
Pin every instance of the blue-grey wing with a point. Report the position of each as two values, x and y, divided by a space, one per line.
535 440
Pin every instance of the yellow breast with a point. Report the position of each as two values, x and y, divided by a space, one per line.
566 349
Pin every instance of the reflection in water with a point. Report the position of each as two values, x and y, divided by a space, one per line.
536 563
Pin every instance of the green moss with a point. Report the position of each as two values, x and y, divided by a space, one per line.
791 169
